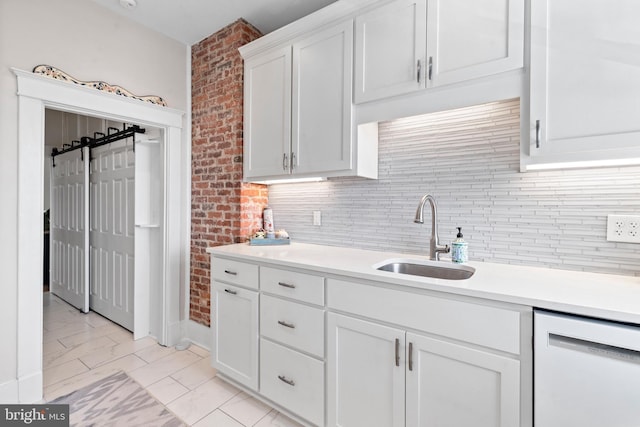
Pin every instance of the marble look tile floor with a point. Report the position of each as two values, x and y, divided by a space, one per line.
80 349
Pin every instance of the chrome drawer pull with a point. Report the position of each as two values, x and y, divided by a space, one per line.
287 285
286 380
231 292
285 324
397 352
233 273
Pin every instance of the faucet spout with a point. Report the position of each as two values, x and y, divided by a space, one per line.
435 248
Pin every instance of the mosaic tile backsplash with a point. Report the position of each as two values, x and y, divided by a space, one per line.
468 159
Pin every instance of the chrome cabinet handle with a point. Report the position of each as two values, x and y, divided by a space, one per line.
286 325
430 72
411 356
537 133
397 352
229 291
419 71
233 273
285 161
286 380
293 161
286 285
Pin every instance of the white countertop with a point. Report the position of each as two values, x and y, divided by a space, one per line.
604 296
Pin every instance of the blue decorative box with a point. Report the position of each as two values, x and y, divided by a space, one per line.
269 242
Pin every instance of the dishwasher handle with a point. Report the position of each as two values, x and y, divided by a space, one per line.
594 348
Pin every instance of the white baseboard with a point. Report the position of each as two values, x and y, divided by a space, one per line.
30 388
9 392
22 390
174 333
198 334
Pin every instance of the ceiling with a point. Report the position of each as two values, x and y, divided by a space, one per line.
190 21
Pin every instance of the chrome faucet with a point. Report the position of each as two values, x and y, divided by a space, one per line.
435 248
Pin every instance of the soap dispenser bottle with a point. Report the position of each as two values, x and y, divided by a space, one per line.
459 249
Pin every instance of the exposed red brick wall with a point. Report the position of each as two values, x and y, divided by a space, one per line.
224 210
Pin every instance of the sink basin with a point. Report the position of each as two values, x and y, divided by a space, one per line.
435 269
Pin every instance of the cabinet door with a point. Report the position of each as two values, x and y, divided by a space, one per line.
450 385
365 374
470 39
235 327
390 50
321 103
267 114
585 84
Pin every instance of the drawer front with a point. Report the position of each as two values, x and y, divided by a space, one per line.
234 272
293 324
489 326
293 380
299 286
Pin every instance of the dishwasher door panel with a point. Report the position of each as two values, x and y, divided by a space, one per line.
586 372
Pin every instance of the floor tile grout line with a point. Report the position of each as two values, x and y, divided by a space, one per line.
232 417
139 362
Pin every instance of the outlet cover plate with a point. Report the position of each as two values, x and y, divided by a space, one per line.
623 228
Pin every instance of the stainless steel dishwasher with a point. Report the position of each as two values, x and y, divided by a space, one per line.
586 372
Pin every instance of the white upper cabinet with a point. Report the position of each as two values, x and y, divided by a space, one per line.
585 81
408 45
321 106
390 53
267 113
470 39
298 116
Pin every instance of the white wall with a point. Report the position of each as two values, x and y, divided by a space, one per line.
469 160
90 43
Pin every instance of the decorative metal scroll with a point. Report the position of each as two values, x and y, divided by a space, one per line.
49 71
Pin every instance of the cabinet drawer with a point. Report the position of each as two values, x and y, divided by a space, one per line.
485 325
235 272
299 286
296 325
293 380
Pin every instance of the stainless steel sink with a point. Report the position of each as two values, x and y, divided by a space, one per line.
435 269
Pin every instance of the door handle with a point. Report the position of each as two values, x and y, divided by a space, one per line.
411 356
229 291
397 352
233 273
430 68
537 133
285 161
419 70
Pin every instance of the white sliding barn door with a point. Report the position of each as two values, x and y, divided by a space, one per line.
69 256
112 231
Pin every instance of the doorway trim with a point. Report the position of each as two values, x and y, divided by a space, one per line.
35 93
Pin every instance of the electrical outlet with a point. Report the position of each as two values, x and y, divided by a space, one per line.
317 217
623 228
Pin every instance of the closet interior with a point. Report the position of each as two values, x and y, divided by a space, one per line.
103 199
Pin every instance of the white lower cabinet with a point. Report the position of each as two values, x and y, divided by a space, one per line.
366 373
451 385
235 339
343 352
375 370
